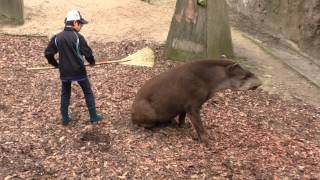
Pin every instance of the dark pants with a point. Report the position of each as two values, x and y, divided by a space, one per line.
66 94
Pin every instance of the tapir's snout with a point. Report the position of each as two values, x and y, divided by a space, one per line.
256 82
254 88
251 83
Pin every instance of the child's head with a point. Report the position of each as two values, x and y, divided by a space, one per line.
75 20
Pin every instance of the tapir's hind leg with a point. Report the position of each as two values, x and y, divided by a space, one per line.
143 114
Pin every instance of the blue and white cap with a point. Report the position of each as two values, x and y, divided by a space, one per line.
75 15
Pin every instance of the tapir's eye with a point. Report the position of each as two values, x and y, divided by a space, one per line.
244 78
247 76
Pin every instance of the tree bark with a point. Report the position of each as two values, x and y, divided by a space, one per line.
199 30
13 9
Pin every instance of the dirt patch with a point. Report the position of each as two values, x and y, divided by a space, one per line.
278 77
110 20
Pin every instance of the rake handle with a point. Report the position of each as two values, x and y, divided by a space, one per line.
97 63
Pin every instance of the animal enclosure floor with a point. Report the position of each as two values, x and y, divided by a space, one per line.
253 135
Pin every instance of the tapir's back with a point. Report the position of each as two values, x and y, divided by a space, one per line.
180 77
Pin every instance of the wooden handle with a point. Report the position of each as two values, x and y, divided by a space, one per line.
97 63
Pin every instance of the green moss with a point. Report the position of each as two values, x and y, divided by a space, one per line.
180 55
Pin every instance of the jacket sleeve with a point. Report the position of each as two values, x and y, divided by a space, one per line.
85 50
50 51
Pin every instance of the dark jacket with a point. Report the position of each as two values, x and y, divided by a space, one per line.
71 47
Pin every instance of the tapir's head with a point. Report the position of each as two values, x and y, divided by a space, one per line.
240 79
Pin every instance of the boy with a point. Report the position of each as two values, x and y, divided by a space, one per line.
71 47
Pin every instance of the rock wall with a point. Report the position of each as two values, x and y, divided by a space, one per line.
294 20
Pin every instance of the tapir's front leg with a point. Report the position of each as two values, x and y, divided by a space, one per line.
182 119
197 124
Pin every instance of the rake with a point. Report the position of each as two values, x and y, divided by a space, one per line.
143 57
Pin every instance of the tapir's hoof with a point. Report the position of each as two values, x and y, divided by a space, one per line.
204 139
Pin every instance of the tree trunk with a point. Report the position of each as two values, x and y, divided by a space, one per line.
199 29
12 9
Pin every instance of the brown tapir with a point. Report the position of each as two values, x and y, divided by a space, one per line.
183 89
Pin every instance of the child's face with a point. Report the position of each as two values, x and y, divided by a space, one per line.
77 26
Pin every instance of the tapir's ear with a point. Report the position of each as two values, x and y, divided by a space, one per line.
233 69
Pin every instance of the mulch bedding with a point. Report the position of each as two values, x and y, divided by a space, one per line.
253 135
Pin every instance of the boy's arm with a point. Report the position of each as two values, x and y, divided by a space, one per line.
86 50
50 51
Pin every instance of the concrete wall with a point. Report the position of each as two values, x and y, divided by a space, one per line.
12 9
295 20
